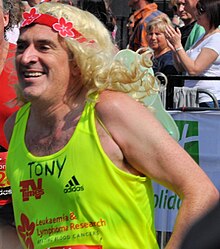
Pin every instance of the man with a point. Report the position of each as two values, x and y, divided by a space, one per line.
81 157
176 20
187 18
8 19
145 11
197 30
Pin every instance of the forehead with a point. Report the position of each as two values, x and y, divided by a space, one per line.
38 31
156 29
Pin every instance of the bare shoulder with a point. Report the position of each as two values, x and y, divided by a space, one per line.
113 104
9 125
113 99
117 108
122 115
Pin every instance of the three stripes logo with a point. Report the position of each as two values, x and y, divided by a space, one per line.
73 186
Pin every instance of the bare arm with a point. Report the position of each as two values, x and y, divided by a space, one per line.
179 67
194 67
150 150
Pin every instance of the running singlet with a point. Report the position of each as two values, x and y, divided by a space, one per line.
7 93
77 198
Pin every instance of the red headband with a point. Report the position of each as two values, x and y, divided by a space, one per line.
63 27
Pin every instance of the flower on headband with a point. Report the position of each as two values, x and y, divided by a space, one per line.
64 28
30 17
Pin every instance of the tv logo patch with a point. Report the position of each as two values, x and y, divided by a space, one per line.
30 188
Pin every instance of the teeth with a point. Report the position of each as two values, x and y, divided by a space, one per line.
32 74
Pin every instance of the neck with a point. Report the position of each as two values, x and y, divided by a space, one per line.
210 32
160 52
52 114
188 21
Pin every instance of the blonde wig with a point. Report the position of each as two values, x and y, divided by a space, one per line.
96 58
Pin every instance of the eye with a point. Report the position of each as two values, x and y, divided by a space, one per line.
21 46
150 34
43 47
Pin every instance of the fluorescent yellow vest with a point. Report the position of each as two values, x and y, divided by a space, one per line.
77 196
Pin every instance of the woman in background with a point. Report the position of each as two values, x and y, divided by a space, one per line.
202 59
163 59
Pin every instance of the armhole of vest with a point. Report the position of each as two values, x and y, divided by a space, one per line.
19 115
94 98
101 123
22 111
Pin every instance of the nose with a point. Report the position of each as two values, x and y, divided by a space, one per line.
29 55
182 7
153 36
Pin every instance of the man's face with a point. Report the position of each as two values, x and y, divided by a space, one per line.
181 11
190 6
39 58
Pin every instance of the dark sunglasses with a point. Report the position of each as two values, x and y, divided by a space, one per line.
200 9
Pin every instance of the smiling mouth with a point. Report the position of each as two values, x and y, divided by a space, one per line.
32 74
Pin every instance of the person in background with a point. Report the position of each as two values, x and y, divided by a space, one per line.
130 25
163 58
203 57
81 144
188 19
197 30
103 12
13 33
144 12
8 18
114 29
176 19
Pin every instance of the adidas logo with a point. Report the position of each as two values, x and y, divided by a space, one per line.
73 186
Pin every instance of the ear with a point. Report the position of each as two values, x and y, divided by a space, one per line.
5 19
75 70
